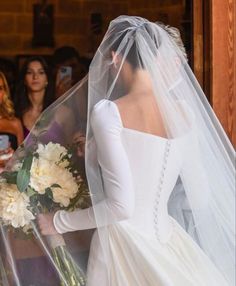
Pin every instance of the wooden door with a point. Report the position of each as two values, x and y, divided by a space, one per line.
214 52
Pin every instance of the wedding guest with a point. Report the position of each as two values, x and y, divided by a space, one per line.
67 56
11 132
34 92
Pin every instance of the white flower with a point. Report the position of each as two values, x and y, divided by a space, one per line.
46 173
53 152
16 167
14 206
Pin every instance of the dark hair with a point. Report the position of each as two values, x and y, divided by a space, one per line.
64 53
118 32
125 31
22 102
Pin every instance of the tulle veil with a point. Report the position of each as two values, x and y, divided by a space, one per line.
203 200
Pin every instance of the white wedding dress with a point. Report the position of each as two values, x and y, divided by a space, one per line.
147 246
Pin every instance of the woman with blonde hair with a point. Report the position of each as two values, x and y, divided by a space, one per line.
11 132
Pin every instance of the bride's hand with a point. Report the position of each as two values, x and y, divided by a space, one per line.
45 223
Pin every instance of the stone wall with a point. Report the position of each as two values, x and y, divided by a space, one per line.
72 22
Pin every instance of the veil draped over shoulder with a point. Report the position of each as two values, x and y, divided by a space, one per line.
203 200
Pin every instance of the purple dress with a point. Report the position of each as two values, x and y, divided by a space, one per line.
26 131
54 134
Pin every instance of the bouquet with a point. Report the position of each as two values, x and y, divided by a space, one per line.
45 180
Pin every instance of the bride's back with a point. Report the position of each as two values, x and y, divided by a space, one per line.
140 112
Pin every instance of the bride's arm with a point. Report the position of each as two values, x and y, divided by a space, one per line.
116 176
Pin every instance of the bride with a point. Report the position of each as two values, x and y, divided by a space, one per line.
158 164
147 126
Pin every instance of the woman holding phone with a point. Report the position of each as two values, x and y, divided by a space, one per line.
69 68
11 132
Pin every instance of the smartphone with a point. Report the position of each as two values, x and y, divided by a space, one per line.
65 71
4 142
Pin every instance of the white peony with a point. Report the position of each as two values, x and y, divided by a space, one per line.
44 174
13 206
16 167
53 152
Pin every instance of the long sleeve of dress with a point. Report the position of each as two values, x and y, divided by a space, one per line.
118 202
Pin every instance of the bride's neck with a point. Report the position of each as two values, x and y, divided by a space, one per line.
141 83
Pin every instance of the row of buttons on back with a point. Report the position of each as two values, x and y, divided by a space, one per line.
160 187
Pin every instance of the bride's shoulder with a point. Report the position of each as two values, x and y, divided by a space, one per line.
104 107
105 115
102 104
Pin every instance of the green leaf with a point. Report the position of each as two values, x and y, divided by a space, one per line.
49 193
10 177
22 180
36 155
31 192
27 162
34 200
46 200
